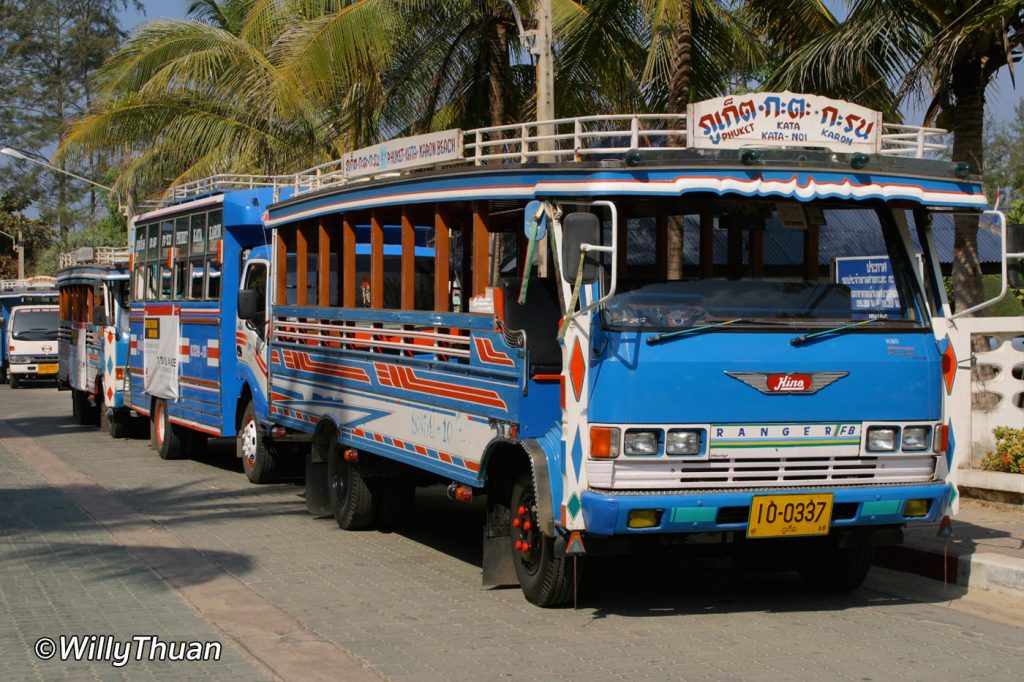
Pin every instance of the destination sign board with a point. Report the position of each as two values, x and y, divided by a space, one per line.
404 153
783 119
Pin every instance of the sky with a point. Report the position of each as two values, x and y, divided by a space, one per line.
1001 97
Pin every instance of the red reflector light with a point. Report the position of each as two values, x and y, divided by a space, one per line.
278 432
351 456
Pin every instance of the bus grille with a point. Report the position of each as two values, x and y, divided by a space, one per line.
769 472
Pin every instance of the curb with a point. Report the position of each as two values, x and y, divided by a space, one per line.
982 570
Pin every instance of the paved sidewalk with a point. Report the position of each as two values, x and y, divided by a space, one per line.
985 550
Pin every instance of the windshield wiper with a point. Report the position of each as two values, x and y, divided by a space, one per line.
658 338
800 340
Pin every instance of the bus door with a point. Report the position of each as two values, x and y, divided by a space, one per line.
251 335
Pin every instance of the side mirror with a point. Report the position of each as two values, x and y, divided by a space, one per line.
1015 264
579 229
248 305
99 316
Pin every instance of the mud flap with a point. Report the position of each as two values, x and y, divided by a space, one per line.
317 502
498 568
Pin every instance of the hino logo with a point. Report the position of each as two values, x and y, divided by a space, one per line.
787 382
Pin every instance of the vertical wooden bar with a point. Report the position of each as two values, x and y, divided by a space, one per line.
281 297
442 255
811 236
757 253
323 268
622 237
735 253
408 261
376 260
301 265
334 226
348 262
707 245
481 242
661 244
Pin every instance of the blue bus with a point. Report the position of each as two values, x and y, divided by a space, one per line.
195 370
92 285
654 350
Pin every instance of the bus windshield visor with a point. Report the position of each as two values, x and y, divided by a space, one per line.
772 263
35 325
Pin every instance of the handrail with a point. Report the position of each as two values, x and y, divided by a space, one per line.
94 255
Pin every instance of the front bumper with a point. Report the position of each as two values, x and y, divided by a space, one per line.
608 513
35 370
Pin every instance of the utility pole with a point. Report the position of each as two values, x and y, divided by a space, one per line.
545 70
20 246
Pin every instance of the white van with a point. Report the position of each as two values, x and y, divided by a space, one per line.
32 343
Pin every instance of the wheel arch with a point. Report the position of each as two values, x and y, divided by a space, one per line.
503 460
324 436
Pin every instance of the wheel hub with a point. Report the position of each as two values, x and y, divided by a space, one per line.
250 443
524 531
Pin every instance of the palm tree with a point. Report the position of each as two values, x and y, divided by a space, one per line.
943 51
229 91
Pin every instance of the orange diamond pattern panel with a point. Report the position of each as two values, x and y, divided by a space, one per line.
949 366
577 369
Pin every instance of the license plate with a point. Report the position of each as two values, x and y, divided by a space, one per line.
48 369
781 516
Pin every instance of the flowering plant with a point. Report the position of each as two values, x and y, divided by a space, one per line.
1009 454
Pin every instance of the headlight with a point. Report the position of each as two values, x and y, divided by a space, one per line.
882 438
641 443
682 442
916 437
21 361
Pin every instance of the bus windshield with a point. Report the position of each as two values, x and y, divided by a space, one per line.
34 325
772 263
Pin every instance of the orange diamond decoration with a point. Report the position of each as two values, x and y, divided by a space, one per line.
949 366
577 369
110 394
110 337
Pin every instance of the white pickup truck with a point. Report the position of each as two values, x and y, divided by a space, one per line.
32 343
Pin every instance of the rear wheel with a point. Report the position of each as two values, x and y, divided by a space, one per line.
545 576
353 498
836 569
3 375
257 458
116 423
84 410
168 439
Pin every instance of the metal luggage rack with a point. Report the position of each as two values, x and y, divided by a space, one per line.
221 183
40 282
575 140
94 255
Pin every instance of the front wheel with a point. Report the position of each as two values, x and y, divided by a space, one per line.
545 576
257 458
353 498
15 381
836 569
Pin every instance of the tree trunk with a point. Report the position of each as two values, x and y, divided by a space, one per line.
678 100
498 67
679 83
968 115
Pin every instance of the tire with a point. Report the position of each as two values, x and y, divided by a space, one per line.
3 375
76 406
168 439
257 457
353 499
546 579
15 381
115 424
84 411
836 570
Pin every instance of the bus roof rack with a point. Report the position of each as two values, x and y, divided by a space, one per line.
37 283
94 255
750 121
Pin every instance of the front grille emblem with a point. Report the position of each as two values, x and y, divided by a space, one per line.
775 383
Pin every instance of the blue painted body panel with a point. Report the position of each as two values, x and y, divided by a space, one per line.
894 376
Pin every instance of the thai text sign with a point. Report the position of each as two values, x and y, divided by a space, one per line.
406 152
871 284
783 119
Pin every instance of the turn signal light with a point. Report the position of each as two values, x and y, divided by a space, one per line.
119 373
942 438
604 442
916 508
644 518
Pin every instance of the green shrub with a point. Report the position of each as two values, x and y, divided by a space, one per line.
1009 454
